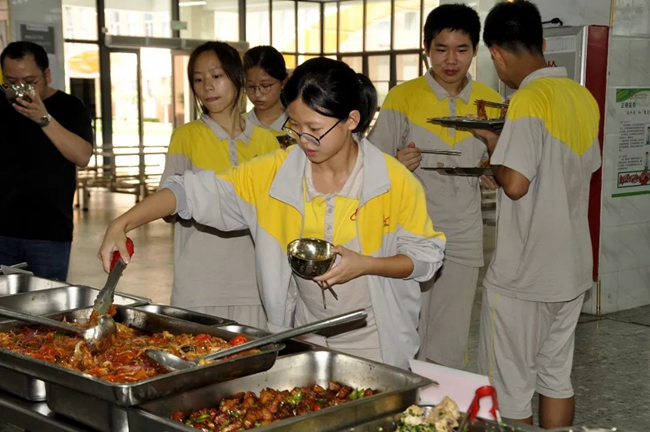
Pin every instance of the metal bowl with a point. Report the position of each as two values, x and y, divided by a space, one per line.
310 257
15 91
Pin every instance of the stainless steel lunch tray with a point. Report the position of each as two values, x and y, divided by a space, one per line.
54 300
19 283
494 124
458 171
398 390
185 314
148 389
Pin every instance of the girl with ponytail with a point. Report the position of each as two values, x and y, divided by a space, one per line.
333 185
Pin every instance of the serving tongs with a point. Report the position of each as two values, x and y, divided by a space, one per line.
475 406
172 362
442 152
101 335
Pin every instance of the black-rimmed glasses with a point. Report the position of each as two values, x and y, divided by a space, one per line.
296 136
263 88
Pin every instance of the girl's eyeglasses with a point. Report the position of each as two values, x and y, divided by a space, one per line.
309 138
263 88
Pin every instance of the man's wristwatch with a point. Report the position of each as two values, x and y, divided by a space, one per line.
45 120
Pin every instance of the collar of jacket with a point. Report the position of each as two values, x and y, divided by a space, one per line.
288 183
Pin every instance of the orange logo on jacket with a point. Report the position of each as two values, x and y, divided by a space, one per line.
353 217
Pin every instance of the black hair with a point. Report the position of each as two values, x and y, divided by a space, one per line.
333 89
21 49
452 17
516 27
268 59
230 62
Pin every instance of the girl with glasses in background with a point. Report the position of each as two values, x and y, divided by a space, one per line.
266 74
333 185
214 271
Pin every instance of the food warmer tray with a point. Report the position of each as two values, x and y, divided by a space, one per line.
32 416
398 390
107 417
185 314
55 300
148 389
20 283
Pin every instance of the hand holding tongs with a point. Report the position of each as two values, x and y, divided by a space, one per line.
105 297
474 407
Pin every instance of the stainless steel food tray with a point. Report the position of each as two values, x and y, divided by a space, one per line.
61 299
185 314
149 389
20 283
398 389
461 171
469 122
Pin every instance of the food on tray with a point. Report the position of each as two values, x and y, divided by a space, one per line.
480 110
247 411
124 362
443 418
485 163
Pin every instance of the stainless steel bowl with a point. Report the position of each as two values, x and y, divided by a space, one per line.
15 91
310 257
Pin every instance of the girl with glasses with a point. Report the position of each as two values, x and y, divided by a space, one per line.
214 271
266 74
333 185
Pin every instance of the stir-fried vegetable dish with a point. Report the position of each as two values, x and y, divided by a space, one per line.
247 411
124 361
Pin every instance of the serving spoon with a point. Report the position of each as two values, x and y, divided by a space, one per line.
172 362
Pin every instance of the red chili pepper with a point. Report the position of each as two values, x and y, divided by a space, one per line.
238 340
202 337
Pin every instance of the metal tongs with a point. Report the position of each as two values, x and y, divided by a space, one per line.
442 152
106 296
475 406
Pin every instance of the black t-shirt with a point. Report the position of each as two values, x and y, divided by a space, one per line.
37 183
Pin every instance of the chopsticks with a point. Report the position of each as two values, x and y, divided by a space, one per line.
442 152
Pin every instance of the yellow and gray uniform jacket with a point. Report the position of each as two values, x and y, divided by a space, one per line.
213 268
543 247
275 128
267 195
453 202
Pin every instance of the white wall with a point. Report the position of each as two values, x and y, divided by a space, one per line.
625 243
45 13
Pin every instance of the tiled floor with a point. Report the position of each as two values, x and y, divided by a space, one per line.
611 372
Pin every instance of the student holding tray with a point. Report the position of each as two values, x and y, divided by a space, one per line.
451 37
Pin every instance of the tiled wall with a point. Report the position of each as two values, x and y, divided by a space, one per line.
625 243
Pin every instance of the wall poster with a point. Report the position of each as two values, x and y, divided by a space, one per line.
633 116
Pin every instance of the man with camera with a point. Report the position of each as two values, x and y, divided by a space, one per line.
45 135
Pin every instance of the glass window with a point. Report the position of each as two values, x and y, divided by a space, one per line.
378 25
407 24
284 24
355 62
331 25
258 21
79 19
290 61
210 19
309 27
428 6
132 18
407 67
379 74
351 26
304 58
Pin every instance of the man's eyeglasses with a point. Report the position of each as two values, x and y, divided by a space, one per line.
309 138
263 88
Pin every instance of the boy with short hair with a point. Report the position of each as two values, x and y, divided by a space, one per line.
542 265
451 38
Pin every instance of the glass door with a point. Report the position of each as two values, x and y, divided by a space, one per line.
126 117
184 107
